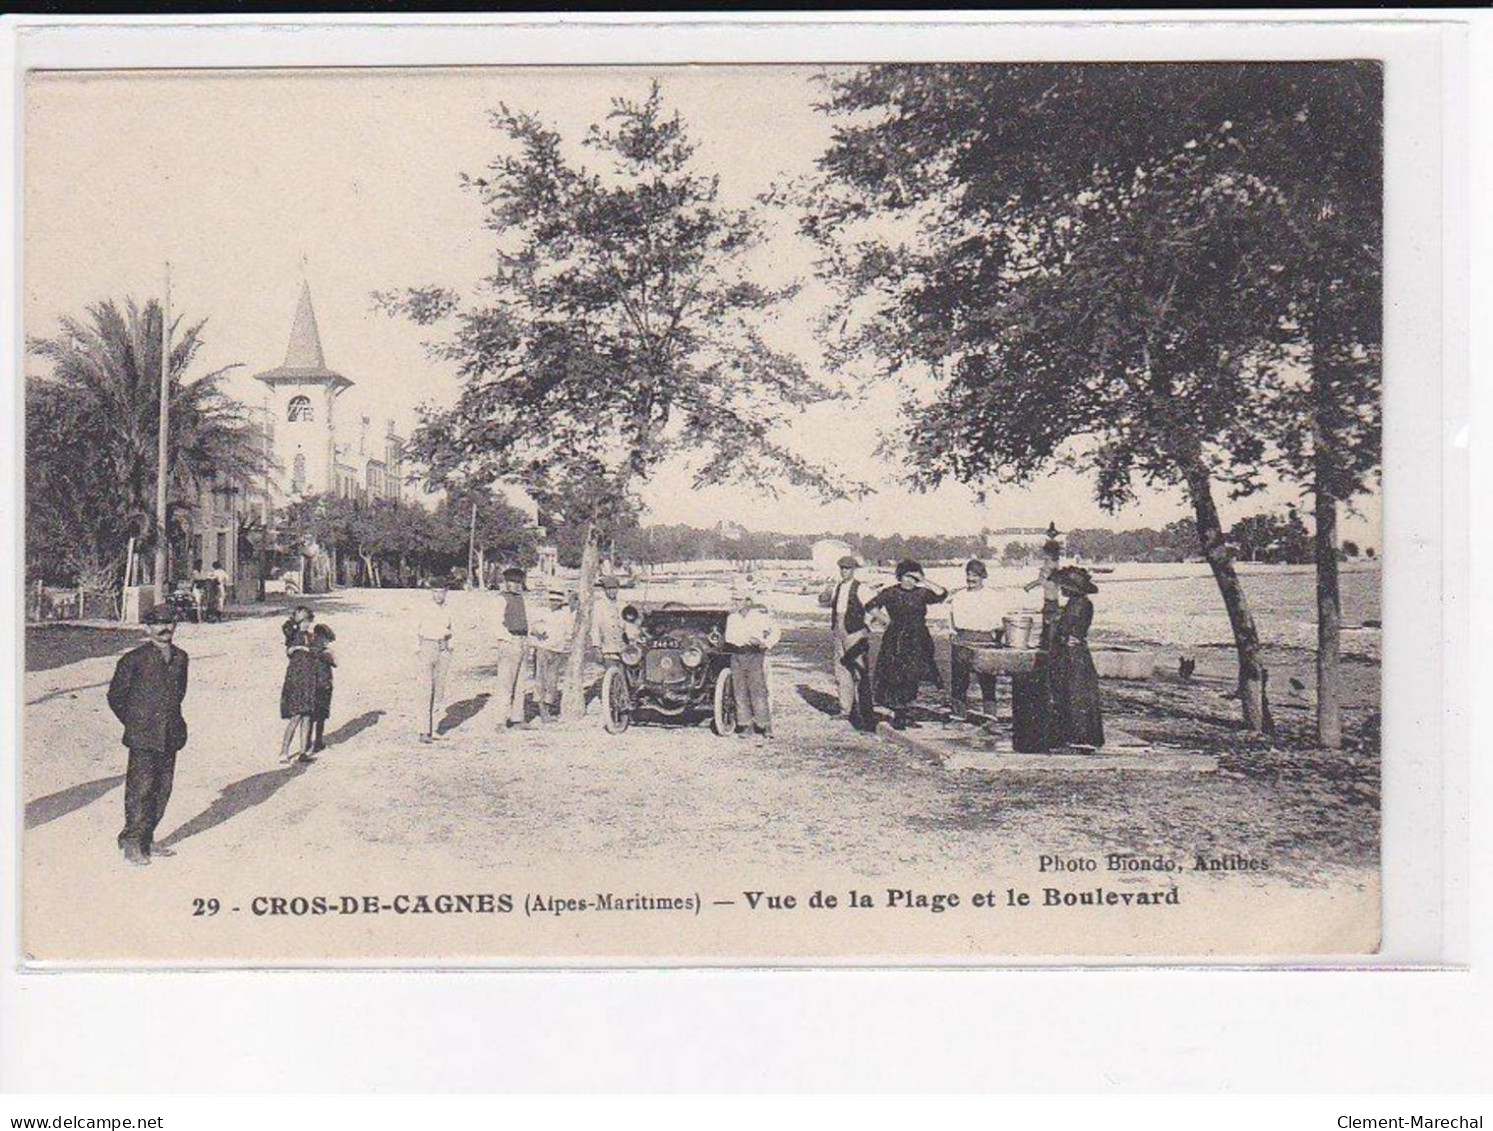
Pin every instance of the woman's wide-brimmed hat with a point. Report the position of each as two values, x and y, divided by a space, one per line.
1076 580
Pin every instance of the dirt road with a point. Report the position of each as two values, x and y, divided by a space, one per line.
567 799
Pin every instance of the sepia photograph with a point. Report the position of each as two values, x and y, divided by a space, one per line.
900 513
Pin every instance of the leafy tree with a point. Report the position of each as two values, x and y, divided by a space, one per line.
618 326
1096 262
1272 538
91 459
1317 138
1256 538
75 524
1016 553
502 532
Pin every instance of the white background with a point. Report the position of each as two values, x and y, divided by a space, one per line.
1131 1030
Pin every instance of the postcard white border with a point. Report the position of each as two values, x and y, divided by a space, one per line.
1426 774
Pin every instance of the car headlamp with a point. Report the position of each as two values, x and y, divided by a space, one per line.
632 655
692 656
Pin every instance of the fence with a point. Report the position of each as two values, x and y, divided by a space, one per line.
46 603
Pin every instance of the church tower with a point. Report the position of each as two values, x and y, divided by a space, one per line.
302 397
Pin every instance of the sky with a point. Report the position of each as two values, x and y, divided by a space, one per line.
249 182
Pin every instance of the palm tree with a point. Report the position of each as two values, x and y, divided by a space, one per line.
107 368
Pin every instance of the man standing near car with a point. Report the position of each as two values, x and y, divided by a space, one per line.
852 644
145 695
751 632
551 633
608 632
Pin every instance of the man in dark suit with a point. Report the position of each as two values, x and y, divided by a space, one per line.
145 695
852 645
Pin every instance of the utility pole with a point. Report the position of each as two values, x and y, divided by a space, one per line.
162 434
474 578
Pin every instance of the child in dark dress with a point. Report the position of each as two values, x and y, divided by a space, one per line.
321 651
298 692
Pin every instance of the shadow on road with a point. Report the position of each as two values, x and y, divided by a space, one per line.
353 727
55 645
458 713
65 801
61 691
821 701
234 799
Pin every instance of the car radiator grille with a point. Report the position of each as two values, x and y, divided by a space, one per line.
663 665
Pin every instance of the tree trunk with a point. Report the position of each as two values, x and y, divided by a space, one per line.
1253 698
573 700
1329 622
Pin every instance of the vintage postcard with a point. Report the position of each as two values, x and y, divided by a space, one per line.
888 513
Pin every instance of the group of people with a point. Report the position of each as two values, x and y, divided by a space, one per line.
1054 705
533 648
306 694
527 645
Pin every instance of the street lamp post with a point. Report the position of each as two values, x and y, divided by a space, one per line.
162 434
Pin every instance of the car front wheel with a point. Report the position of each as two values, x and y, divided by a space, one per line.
614 699
723 718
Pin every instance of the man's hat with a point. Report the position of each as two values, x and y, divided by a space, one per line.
513 573
161 614
849 561
1075 579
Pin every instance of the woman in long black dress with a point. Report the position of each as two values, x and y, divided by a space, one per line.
1073 716
906 657
298 692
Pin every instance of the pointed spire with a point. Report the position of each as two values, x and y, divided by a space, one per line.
304 350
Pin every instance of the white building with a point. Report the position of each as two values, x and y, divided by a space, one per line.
317 446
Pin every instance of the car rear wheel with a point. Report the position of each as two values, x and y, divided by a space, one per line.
723 718
614 700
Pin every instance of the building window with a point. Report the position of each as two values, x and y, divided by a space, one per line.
298 474
300 409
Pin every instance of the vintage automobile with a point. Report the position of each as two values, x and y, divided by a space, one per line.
676 665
